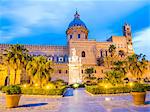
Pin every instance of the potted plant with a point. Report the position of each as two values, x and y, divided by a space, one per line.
138 93
12 95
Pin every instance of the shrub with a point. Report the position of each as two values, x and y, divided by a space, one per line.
41 91
59 83
51 85
138 88
1 87
12 89
147 87
116 89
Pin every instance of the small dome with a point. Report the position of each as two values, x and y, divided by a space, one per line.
77 21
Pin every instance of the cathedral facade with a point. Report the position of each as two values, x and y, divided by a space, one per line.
78 45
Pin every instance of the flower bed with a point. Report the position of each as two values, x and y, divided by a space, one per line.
111 90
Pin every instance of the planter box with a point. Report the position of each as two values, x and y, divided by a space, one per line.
12 100
138 98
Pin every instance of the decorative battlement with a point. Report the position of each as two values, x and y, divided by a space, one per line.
40 47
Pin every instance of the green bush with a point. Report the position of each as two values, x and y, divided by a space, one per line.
138 88
12 89
147 87
116 89
40 91
1 87
59 83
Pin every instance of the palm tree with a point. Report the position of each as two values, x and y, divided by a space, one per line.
112 49
100 61
121 67
89 71
113 77
14 57
39 70
137 66
110 59
5 61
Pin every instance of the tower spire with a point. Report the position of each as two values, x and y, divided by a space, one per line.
76 15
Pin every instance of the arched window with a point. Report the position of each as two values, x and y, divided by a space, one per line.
83 54
66 71
59 71
50 58
106 53
70 36
101 53
78 35
60 59
85 36
82 71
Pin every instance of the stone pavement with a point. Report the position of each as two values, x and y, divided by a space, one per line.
80 102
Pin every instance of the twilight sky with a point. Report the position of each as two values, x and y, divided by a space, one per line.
45 21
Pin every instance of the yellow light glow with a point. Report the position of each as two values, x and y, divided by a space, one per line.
47 87
105 86
75 85
131 84
24 85
36 84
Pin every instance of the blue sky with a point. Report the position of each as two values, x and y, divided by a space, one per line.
45 21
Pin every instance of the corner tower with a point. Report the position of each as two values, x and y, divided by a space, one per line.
127 34
77 30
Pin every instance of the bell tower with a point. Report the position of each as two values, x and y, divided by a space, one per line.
128 36
127 30
77 29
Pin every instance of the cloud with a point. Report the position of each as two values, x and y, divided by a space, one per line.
30 16
141 42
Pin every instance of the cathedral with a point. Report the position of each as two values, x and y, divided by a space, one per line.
80 52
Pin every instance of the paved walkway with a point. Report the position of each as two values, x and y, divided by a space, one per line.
79 102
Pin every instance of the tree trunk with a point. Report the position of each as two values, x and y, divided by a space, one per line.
31 80
8 73
15 76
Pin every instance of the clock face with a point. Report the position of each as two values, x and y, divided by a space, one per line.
130 47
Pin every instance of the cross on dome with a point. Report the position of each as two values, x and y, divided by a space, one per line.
76 15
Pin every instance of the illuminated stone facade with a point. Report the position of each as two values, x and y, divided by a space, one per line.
88 50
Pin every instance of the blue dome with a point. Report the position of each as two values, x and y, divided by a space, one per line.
77 21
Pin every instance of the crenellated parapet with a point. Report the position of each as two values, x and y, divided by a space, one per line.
58 54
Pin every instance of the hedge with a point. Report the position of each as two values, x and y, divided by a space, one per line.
111 90
40 91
